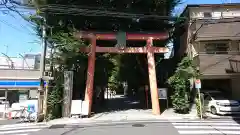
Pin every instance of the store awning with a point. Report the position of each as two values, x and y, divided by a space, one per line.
19 84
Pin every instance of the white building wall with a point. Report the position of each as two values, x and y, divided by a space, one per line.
217 13
18 62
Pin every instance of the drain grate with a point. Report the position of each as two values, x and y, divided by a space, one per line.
138 125
57 126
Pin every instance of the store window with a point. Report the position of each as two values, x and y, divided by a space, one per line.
216 48
207 14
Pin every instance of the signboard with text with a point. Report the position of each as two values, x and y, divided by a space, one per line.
162 93
198 84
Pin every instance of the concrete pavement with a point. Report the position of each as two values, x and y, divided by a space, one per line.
141 128
158 127
139 121
162 127
21 129
6 121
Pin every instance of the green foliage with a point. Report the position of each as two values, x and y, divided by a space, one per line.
55 102
200 105
179 83
114 78
110 68
55 97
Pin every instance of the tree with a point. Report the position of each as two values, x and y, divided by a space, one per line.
63 18
180 84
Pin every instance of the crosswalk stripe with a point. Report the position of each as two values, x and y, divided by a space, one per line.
21 125
19 131
197 121
208 127
208 132
193 127
27 127
19 134
202 124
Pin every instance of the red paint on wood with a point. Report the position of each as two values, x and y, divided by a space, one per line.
130 36
126 50
90 75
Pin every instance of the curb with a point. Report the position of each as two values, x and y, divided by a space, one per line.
94 121
105 123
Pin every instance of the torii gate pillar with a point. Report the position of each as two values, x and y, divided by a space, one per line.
153 79
90 75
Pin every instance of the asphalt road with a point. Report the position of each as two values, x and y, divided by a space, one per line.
5 122
158 127
163 128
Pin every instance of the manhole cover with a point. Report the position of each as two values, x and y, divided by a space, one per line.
57 126
138 125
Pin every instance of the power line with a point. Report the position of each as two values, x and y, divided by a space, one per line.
13 27
90 11
95 11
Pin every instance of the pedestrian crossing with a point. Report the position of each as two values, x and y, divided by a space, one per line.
203 127
20 129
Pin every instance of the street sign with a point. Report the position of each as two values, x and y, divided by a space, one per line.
198 84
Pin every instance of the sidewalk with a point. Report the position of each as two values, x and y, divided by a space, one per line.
170 114
125 117
120 109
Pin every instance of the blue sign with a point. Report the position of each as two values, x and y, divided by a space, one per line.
19 83
31 108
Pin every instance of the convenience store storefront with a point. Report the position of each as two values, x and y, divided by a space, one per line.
19 90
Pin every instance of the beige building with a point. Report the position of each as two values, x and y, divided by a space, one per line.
212 39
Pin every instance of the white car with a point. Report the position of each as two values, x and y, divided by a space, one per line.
216 103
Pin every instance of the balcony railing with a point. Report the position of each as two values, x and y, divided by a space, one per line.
235 65
221 52
219 63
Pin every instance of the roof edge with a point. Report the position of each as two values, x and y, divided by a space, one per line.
210 5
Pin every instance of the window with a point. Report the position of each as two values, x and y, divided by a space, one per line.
216 48
207 14
207 97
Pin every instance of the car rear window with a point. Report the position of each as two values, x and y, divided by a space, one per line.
218 96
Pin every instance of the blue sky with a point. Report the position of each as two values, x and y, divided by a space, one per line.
18 37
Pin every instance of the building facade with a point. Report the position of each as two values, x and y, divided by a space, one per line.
212 39
19 77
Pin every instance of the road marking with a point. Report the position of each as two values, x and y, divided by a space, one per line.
118 122
192 127
201 121
202 124
19 131
20 134
207 127
26 127
21 125
208 132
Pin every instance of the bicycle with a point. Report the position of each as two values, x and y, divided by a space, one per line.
25 114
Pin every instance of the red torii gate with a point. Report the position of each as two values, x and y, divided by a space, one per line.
149 49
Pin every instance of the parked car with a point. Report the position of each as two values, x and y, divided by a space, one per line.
216 103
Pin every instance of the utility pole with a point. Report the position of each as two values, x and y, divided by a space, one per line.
42 71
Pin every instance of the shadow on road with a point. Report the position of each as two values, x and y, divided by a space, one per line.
120 103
